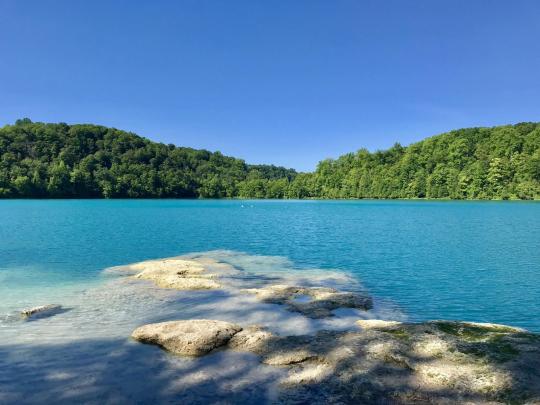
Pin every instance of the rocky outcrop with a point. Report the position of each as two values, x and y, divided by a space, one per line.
189 337
313 302
253 339
175 273
274 350
41 311
380 361
377 324
431 362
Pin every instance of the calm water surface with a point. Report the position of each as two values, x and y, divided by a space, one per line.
475 261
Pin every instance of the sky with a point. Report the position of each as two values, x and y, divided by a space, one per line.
288 82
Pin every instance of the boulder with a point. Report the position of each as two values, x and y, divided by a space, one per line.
179 282
376 324
254 339
188 337
42 310
178 274
317 302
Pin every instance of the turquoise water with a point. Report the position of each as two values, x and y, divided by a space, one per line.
477 261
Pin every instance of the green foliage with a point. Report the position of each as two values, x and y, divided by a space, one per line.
474 163
89 161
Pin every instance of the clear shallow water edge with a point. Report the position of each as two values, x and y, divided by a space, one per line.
468 260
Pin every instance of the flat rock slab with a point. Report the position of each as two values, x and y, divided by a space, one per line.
385 362
393 362
377 324
176 273
180 282
320 303
189 337
41 311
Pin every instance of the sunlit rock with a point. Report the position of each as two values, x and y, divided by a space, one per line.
253 339
376 324
313 302
194 337
175 273
41 311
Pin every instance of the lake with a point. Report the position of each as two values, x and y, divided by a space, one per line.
477 261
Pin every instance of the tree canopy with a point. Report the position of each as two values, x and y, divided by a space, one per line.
476 163
41 160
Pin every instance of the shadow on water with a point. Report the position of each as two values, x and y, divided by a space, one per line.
121 371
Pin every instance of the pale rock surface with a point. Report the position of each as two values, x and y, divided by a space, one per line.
321 300
176 273
194 337
376 324
40 310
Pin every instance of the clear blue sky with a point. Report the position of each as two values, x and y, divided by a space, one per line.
284 82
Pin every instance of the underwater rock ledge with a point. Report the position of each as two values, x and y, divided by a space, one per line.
373 361
436 361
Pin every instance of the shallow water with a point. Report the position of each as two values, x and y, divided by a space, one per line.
420 260
85 353
454 260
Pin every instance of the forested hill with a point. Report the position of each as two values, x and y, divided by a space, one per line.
60 160
476 163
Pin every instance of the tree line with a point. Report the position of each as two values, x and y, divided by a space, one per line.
41 160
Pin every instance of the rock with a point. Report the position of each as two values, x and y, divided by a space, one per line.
188 337
175 273
253 339
385 362
274 350
42 310
458 327
178 282
430 362
275 294
284 357
309 374
376 324
321 301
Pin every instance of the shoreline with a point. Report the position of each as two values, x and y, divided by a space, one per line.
263 199
291 340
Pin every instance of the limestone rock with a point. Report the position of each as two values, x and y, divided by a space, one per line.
188 337
176 273
429 362
314 302
287 357
179 282
41 310
376 324
253 339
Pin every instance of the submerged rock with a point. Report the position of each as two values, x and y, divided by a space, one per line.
436 361
377 324
189 337
176 273
320 302
179 282
41 311
253 339
429 362
385 362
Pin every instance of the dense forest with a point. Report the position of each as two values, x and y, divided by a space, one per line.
89 161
